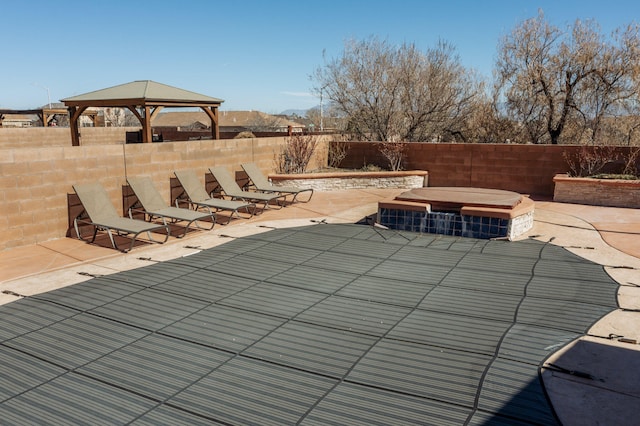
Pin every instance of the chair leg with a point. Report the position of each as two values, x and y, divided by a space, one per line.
113 242
310 195
198 226
231 215
295 196
75 226
95 234
197 222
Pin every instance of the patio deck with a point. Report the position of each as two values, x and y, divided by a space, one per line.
156 304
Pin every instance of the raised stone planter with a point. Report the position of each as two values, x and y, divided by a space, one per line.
597 192
353 180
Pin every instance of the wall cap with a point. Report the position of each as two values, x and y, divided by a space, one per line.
591 181
348 175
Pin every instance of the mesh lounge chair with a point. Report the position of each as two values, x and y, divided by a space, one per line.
103 216
153 206
231 189
261 183
197 196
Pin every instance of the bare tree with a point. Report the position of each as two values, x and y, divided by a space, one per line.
555 82
488 123
119 117
326 119
262 122
114 117
394 152
294 157
313 115
391 94
337 150
613 93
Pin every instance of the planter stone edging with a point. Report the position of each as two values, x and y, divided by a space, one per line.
597 192
353 180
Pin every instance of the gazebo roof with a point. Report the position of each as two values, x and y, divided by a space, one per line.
144 98
141 92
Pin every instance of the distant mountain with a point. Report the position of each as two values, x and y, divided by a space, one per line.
298 112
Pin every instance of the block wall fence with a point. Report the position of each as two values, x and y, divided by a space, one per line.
39 166
36 182
527 169
41 137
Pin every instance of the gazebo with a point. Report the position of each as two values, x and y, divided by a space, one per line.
46 115
145 99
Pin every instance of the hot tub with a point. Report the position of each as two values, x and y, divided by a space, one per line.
459 211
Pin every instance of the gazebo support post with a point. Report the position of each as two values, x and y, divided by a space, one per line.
212 112
74 115
146 125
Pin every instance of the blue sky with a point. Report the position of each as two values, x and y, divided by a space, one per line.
253 54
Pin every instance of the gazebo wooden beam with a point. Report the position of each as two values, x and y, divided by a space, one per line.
147 135
135 112
49 114
155 112
44 114
74 115
212 112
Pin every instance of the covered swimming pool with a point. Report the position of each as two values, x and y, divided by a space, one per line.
315 324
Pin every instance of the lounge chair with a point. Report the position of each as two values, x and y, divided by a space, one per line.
152 205
231 189
261 183
103 216
197 196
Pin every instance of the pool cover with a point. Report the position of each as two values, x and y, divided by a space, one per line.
342 324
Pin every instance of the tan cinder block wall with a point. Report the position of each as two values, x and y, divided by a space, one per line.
266 157
35 181
61 136
104 135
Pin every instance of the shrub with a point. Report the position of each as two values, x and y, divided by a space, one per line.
394 153
296 154
590 160
631 162
614 176
245 135
337 151
371 168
